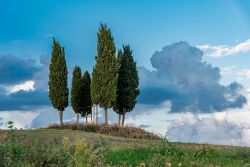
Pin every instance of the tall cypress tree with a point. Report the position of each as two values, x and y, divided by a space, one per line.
58 80
128 82
118 105
56 51
76 89
86 94
106 69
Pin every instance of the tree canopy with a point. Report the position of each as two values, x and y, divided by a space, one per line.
105 72
58 79
86 94
128 82
76 99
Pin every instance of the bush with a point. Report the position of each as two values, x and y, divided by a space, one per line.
80 153
114 130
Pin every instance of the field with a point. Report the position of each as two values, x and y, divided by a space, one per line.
55 147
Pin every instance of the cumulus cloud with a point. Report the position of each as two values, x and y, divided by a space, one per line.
213 130
243 74
188 82
20 119
25 86
224 50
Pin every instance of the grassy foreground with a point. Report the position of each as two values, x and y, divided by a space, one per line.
53 147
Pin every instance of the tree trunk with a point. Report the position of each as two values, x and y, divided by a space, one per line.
119 120
61 119
77 120
123 118
96 114
106 116
86 116
91 116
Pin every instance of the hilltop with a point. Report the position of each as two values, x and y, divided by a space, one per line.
48 147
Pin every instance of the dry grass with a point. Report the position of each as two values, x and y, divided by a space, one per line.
114 130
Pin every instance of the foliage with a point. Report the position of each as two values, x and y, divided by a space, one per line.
86 94
128 82
58 91
118 105
95 86
62 85
58 79
105 72
128 79
76 95
14 153
80 153
56 51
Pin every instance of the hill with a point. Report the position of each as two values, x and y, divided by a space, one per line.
54 147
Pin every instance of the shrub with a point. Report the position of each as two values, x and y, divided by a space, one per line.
114 130
80 153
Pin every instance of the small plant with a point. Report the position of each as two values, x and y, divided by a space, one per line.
80 153
11 150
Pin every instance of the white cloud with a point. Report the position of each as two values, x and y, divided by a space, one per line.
224 50
230 127
243 74
25 86
228 70
235 72
21 119
153 118
212 129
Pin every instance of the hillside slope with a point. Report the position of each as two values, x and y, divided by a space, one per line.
120 151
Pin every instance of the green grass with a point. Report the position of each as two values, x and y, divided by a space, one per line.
119 151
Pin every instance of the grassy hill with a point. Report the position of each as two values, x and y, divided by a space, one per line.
54 147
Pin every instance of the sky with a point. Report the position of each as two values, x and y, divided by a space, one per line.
192 57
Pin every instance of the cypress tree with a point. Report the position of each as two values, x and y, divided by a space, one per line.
86 94
106 69
76 98
128 82
56 51
58 80
118 105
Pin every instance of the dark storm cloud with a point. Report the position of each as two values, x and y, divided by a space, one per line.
15 70
191 84
24 101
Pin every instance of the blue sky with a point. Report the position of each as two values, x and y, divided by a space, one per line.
221 29
146 25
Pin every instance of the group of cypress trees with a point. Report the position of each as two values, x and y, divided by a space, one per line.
80 93
114 80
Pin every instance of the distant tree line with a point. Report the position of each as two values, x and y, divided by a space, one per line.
114 82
